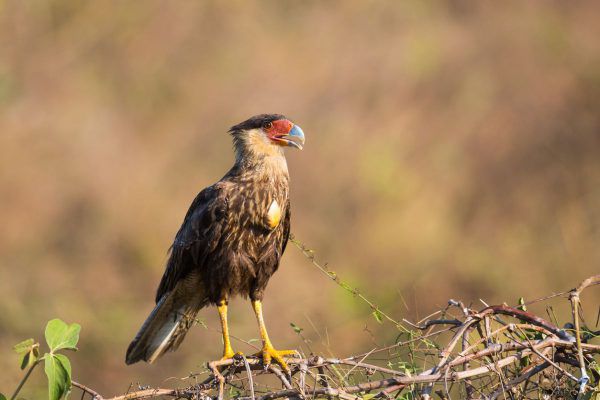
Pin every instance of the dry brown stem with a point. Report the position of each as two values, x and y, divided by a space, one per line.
497 352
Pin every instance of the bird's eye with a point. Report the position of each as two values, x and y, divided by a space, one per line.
268 125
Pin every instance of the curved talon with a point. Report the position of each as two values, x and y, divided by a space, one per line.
269 353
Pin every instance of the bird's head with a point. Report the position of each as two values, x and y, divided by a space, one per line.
266 135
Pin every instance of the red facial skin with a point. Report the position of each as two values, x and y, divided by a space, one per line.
278 129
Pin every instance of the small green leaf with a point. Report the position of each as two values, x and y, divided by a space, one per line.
24 346
29 358
346 286
589 396
296 328
58 371
378 315
2 397
59 335
522 305
234 392
29 352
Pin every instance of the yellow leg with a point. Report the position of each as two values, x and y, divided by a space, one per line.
227 350
268 352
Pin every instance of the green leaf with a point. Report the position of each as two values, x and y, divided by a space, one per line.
2 397
522 305
66 365
59 335
346 286
29 352
590 396
234 392
30 357
24 346
296 328
378 315
58 371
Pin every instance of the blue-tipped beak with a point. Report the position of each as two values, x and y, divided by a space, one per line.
295 137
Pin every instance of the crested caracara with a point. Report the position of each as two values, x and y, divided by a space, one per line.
230 243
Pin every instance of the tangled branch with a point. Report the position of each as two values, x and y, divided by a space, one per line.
498 352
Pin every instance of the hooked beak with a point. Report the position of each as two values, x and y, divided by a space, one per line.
294 138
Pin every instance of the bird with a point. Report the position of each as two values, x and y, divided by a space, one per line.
230 243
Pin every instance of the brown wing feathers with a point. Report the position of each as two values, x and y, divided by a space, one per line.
181 291
197 238
231 241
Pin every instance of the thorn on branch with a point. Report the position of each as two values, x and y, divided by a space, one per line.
484 357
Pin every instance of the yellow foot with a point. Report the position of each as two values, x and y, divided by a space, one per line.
269 354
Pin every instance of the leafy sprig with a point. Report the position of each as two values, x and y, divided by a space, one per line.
59 336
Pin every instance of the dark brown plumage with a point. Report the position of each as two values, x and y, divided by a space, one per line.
231 240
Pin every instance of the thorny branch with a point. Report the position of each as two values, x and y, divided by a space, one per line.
496 352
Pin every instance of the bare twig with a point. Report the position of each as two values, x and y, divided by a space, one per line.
498 350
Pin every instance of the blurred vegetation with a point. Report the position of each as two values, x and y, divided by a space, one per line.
450 145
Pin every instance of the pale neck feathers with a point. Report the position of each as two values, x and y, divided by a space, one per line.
256 153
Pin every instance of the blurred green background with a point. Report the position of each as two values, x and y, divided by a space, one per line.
453 150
